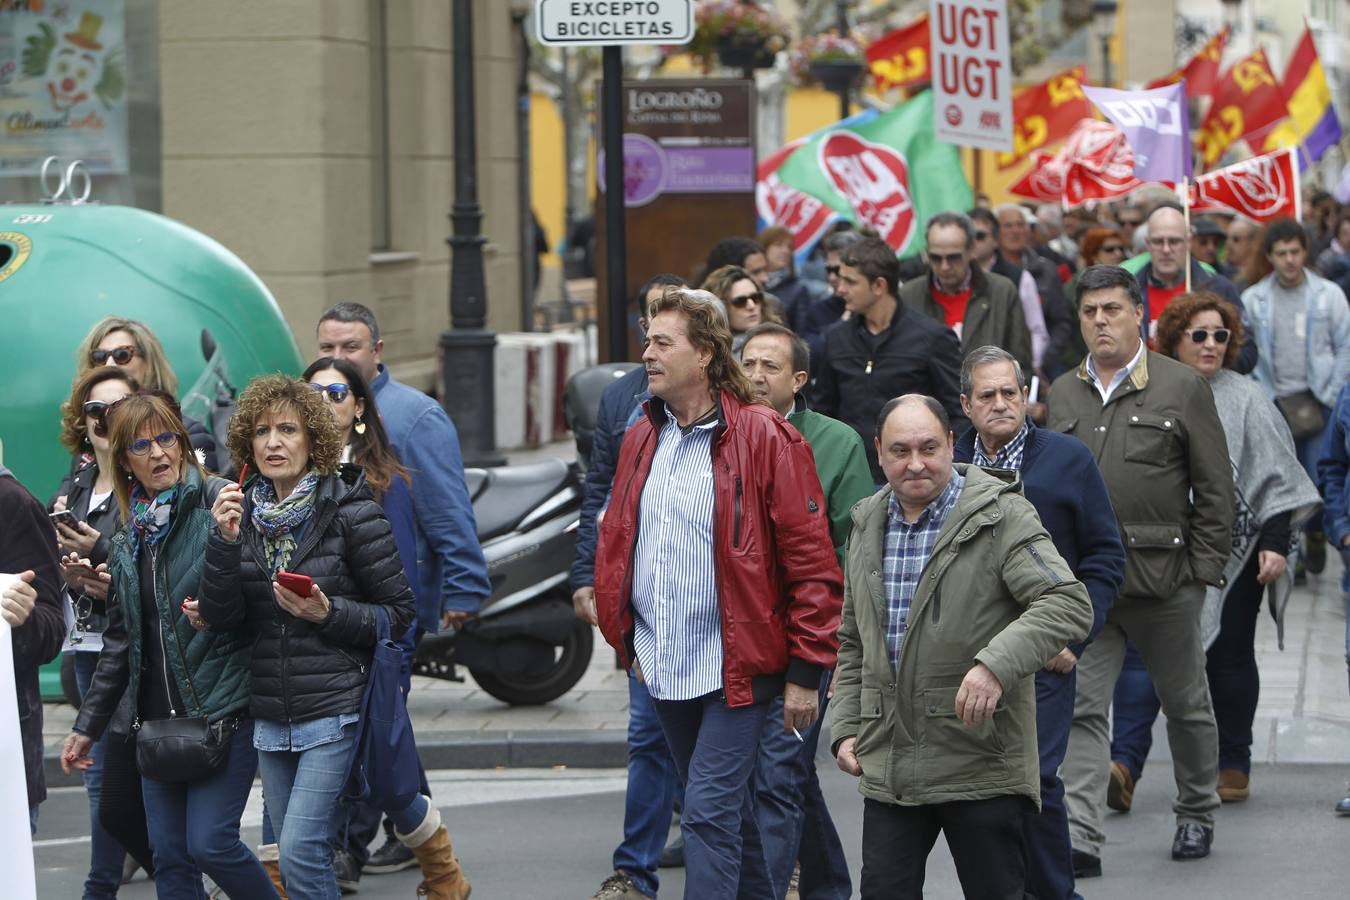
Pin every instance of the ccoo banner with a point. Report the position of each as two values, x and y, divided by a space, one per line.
972 73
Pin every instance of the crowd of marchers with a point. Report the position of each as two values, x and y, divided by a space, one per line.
982 512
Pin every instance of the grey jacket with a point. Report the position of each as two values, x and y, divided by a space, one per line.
993 316
1162 451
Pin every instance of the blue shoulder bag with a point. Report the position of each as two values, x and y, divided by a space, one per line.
385 767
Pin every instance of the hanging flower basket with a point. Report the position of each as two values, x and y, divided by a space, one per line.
745 55
828 60
739 35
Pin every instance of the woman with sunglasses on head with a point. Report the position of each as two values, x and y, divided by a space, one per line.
307 515
131 345
747 305
1274 497
116 811
367 446
161 672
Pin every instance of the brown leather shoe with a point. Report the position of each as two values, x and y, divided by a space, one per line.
1120 789
1234 786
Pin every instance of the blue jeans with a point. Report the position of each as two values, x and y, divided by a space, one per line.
652 786
715 748
1046 847
790 811
1134 709
302 790
1308 451
105 854
194 828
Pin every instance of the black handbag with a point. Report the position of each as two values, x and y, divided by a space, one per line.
181 749
1303 412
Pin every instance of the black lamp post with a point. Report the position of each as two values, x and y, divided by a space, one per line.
1104 24
467 348
841 12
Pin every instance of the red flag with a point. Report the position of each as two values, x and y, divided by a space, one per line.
1202 72
1248 100
1095 163
1046 113
1262 188
900 58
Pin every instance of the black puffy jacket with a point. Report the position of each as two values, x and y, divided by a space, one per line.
302 670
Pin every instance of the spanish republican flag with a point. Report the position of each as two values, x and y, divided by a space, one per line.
1312 125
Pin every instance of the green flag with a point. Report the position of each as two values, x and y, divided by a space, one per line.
891 173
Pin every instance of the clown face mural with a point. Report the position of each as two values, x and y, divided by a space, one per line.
77 68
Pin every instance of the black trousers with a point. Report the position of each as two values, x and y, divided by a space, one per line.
121 810
985 838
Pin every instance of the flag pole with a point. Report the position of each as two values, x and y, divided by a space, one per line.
1186 216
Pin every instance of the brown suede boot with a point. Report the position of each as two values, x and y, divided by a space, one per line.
442 878
270 856
1234 786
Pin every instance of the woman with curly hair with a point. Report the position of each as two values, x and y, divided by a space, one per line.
304 514
1274 497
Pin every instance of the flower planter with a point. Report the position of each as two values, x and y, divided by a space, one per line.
835 75
742 55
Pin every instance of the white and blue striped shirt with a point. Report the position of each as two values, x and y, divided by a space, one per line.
677 629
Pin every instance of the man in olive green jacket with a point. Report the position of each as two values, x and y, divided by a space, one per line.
946 565
1151 424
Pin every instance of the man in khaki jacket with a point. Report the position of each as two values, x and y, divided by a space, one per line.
1151 424
946 564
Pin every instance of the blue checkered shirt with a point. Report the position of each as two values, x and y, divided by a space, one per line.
907 550
1009 455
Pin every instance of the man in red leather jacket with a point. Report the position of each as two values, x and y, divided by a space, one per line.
716 579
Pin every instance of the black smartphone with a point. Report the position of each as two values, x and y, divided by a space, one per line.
65 517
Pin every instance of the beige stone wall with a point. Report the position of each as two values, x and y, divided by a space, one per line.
1145 44
267 148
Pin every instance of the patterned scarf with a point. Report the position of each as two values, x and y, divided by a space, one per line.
279 522
150 515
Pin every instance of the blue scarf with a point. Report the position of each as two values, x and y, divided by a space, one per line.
278 522
150 515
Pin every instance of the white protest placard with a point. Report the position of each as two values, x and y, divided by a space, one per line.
972 73
15 832
595 23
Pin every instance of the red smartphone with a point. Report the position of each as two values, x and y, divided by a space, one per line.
296 584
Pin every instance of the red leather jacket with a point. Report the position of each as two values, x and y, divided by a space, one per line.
779 584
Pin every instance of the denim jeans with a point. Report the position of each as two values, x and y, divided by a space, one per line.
302 790
1046 847
652 786
1308 451
105 854
715 748
194 828
790 811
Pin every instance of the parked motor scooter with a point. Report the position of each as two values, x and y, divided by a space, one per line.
526 646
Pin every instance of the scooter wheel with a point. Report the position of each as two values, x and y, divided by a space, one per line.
568 667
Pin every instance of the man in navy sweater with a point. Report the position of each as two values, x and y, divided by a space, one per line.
1062 481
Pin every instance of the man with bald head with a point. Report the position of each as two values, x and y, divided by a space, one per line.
1244 238
1163 277
946 564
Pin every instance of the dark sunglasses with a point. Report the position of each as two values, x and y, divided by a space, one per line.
165 439
1130 223
335 393
120 355
1221 335
981 235
831 270
745 299
1111 248
949 259
98 411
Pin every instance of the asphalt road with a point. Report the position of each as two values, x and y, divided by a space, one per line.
550 834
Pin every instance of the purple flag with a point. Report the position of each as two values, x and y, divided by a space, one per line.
1156 125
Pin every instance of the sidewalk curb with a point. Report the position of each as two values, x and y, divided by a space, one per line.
580 749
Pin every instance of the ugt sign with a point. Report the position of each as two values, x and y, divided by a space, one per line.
972 73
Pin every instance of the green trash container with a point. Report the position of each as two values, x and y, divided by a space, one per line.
64 267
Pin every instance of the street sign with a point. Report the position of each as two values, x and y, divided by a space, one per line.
972 73
596 23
